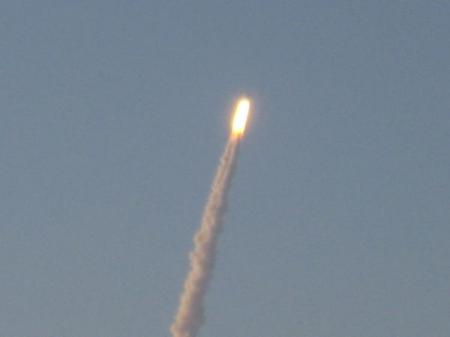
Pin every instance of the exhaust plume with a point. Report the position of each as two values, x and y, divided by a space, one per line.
190 313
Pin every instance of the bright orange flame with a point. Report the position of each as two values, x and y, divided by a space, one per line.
240 117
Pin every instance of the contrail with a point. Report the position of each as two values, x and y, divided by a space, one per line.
190 313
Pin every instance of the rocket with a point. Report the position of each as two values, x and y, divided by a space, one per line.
240 116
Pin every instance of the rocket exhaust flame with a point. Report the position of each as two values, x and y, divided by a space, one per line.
190 313
240 117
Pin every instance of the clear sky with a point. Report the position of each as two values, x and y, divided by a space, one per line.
113 115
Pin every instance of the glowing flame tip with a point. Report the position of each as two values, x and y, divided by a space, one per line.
240 117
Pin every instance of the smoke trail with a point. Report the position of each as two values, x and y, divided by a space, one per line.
190 314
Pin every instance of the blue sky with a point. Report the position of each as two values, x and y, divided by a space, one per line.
113 115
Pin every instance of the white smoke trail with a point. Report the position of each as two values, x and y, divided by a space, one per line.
190 315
